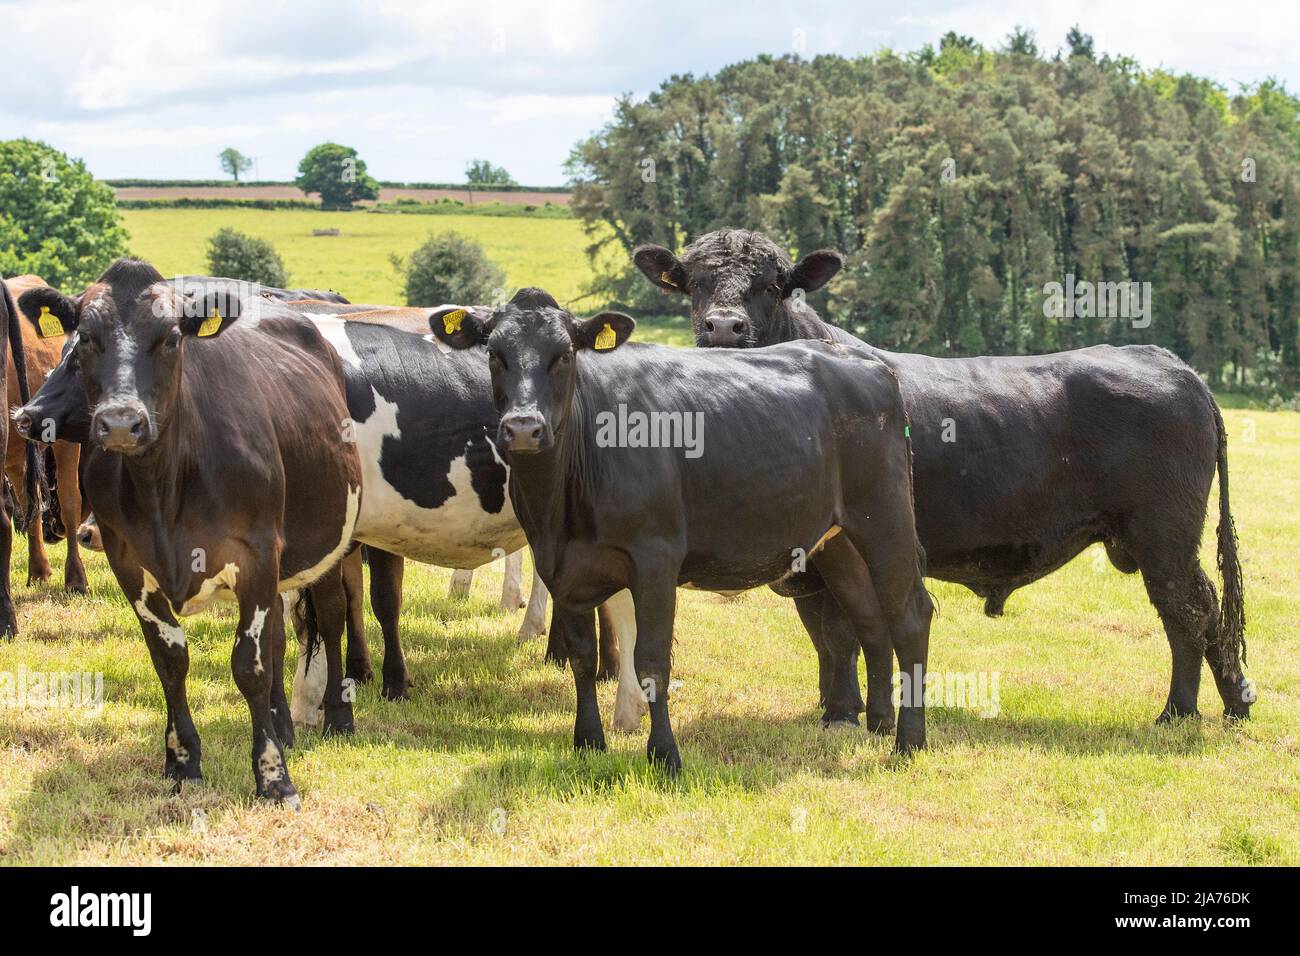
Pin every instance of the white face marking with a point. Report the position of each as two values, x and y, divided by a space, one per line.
345 541
629 703
269 765
254 634
171 634
221 586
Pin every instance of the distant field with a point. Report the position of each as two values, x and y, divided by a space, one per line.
545 252
386 194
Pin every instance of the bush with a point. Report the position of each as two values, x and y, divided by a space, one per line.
449 268
235 255
55 220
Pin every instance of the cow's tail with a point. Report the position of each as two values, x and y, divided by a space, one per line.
35 472
1232 613
304 616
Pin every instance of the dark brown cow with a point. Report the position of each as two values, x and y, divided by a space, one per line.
219 468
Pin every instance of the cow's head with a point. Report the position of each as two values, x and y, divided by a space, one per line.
58 409
738 281
532 347
127 333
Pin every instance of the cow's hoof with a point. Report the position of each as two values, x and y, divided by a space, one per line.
1172 715
282 792
360 671
881 724
338 720
589 740
397 690
76 587
839 724
666 759
908 748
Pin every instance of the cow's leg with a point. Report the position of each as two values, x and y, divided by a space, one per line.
655 602
252 661
171 661
837 657
8 616
576 629
330 604
461 580
358 659
512 588
281 713
66 459
556 649
38 562
629 701
309 679
878 584
386 573
608 667
534 624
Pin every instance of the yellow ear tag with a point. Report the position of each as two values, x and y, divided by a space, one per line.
452 320
210 325
665 278
606 339
49 325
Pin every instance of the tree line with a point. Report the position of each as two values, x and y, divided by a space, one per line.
968 187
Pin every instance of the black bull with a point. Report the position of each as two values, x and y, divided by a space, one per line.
805 453
1019 464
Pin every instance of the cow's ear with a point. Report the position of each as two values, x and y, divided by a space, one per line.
459 326
661 267
813 271
207 316
604 332
49 310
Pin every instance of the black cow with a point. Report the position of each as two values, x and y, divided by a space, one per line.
219 467
815 448
1020 464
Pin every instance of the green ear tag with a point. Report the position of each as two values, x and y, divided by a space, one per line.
606 339
907 431
210 325
48 324
452 320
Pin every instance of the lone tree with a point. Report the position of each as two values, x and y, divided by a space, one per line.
449 268
482 173
234 162
335 172
56 221
236 255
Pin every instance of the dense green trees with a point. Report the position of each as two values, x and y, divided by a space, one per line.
962 181
337 174
56 221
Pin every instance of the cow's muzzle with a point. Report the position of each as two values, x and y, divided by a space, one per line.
121 428
24 421
88 535
524 433
723 328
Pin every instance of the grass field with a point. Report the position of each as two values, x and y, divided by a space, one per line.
478 768
546 252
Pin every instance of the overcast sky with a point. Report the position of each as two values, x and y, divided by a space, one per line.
157 89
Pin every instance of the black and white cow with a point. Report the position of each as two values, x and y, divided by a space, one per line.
219 468
424 423
1020 464
804 452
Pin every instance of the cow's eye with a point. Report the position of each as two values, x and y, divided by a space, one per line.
495 359
561 359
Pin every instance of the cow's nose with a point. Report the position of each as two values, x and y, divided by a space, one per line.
120 427
724 329
23 423
523 433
